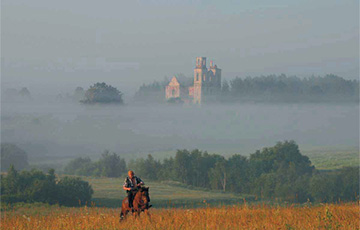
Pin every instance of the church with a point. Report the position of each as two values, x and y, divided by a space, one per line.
207 84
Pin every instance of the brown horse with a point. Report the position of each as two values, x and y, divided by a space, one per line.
140 203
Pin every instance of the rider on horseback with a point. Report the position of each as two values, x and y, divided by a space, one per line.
131 183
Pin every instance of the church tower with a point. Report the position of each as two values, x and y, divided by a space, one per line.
199 78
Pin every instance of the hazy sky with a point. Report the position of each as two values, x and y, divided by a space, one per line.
55 46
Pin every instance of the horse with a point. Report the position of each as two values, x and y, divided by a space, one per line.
141 202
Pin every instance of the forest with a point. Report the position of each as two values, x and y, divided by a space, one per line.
280 172
271 88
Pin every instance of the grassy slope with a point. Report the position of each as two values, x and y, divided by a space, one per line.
108 192
327 158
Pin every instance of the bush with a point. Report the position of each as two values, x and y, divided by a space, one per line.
13 155
74 192
35 186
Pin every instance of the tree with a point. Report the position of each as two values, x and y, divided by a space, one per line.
147 168
13 155
182 166
42 188
74 192
283 88
10 183
238 167
281 172
111 165
341 185
225 89
102 93
350 183
323 187
35 186
24 92
79 94
219 175
78 166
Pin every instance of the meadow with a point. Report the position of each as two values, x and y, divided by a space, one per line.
326 158
179 206
340 216
108 192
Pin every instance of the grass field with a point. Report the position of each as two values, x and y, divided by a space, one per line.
326 158
341 216
177 206
108 192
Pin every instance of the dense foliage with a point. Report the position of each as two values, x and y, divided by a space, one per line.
102 93
271 88
340 185
330 88
35 186
13 155
153 92
279 172
109 165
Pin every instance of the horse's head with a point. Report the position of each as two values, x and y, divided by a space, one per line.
145 198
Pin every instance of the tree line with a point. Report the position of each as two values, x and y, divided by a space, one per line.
36 186
278 172
271 88
109 165
330 88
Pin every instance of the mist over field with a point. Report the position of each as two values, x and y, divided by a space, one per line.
228 114
55 131
53 47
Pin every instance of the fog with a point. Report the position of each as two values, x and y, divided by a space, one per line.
53 47
64 130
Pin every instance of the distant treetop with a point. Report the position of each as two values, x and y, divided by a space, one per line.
102 93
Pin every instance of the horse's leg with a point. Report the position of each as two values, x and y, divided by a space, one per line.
146 211
122 216
123 213
137 211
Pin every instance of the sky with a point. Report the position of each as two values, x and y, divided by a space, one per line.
52 47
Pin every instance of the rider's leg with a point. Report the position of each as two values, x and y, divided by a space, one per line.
129 195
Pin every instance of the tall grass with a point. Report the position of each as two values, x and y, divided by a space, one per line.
330 216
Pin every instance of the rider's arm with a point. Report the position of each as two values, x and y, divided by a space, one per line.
140 182
126 186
